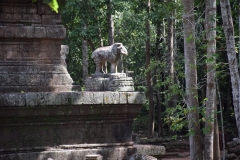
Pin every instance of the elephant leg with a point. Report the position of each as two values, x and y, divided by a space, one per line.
102 67
105 67
113 68
98 67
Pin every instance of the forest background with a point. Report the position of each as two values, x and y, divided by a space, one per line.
184 56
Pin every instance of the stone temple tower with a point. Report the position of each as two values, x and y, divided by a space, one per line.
30 43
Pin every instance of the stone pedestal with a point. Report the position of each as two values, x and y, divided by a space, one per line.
53 122
109 82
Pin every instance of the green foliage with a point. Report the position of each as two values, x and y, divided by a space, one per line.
141 121
52 3
176 117
87 20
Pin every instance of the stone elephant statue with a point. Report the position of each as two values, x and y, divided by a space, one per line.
111 54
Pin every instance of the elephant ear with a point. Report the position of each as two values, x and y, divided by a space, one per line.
114 48
119 45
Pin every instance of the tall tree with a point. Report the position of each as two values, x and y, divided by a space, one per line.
191 80
149 77
170 43
239 34
110 23
210 25
84 57
232 59
216 146
159 36
110 26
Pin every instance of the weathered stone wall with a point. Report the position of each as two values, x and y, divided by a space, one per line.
50 119
30 44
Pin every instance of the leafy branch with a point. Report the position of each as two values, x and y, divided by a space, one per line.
52 3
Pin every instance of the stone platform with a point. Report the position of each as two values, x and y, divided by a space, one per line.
37 121
114 151
109 82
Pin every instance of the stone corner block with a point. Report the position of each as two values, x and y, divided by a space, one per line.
123 96
12 99
136 98
45 98
150 149
56 33
111 98
32 99
66 98
81 98
49 98
98 97
35 32
87 98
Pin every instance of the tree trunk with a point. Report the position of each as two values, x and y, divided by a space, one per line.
84 58
158 40
158 90
210 25
111 33
171 101
239 36
221 134
159 116
110 23
101 43
149 79
229 105
170 46
100 36
232 60
110 29
216 146
191 81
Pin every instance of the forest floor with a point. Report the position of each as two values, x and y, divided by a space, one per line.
175 149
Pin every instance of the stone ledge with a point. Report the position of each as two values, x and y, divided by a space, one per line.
115 153
70 147
70 98
150 149
33 32
34 89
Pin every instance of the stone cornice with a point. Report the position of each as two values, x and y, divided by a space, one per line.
70 98
48 32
